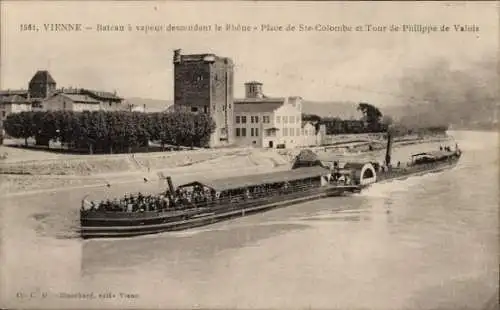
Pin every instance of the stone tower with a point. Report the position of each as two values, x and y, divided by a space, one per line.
203 83
41 85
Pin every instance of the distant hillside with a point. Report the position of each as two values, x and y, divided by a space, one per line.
344 110
323 109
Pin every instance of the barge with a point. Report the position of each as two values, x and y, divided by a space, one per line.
205 202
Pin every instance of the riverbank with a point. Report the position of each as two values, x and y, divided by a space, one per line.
64 172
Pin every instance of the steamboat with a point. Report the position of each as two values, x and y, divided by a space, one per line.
419 164
205 202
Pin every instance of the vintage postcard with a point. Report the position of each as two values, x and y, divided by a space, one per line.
249 155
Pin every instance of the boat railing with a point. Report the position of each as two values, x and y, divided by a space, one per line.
207 202
412 167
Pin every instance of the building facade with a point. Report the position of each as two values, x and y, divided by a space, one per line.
69 102
203 83
12 104
43 95
312 135
262 121
81 99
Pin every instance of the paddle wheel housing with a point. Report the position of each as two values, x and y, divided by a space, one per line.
362 173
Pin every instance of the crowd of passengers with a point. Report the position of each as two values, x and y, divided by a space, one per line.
190 197
144 203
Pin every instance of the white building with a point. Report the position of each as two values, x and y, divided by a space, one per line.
262 121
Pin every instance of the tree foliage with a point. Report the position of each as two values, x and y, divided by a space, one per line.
371 116
111 132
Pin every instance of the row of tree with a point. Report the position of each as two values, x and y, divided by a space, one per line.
111 132
371 121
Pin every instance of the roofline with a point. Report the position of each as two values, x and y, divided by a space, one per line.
257 100
253 82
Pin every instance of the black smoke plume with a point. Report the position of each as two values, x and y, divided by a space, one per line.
440 95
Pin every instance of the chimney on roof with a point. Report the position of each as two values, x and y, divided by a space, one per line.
253 90
177 56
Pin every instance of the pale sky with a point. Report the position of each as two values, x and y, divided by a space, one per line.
315 65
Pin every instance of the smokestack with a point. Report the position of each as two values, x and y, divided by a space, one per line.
170 185
388 150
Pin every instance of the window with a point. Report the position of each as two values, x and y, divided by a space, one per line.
256 119
278 119
243 132
251 132
265 119
194 109
238 119
205 109
292 132
297 132
251 119
237 132
292 119
243 119
256 132
285 119
285 131
3 113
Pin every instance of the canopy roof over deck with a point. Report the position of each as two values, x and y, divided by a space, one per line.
434 154
260 179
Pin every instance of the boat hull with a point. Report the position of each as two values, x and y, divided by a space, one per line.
404 173
120 227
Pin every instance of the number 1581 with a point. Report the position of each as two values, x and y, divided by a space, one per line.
28 27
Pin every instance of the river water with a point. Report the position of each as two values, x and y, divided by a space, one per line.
424 243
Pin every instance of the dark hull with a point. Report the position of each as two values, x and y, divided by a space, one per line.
116 225
404 173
